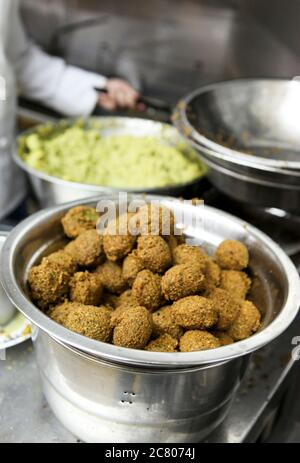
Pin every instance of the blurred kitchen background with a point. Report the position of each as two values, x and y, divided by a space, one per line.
166 48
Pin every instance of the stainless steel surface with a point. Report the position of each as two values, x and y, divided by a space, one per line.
25 415
239 112
104 402
100 391
272 267
52 190
7 310
171 47
255 190
251 120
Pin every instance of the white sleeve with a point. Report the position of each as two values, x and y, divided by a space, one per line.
48 79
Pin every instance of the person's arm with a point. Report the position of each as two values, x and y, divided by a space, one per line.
48 79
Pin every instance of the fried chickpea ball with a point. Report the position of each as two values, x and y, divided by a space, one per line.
132 265
226 306
117 241
126 298
79 219
117 314
133 328
194 312
165 343
163 323
90 321
60 312
146 290
223 337
63 259
236 283
212 273
87 248
154 253
246 323
198 340
181 281
153 219
186 254
49 284
110 274
232 255
86 288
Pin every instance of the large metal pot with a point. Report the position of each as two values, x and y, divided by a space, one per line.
51 190
106 393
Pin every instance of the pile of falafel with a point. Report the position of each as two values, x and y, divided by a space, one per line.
147 291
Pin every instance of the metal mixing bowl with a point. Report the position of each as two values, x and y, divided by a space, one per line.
255 120
226 121
106 393
51 190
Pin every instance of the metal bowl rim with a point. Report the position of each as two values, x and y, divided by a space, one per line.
220 149
138 357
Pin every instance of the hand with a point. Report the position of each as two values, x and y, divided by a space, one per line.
119 94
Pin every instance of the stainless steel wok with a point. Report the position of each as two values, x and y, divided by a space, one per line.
247 130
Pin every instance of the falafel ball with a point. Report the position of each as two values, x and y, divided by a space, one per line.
154 219
194 312
198 340
110 274
126 298
246 323
117 241
49 284
132 265
63 259
232 255
163 322
79 219
86 288
146 290
212 273
134 328
60 312
223 337
186 254
164 343
182 280
226 306
236 283
154 252
87 248
90 321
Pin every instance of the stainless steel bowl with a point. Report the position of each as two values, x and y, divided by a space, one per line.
106 393
253 185
260 190
238 111
255 120
51 190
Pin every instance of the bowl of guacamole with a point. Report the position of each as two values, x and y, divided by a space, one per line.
116 153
